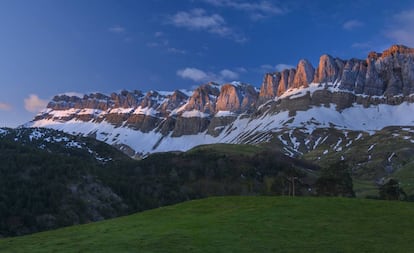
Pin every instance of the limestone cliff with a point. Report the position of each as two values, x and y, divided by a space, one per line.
216 110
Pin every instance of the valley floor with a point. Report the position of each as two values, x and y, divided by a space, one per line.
240 224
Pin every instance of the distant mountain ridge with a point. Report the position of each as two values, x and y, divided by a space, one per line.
352 95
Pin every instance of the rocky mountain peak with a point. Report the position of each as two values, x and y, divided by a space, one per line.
304 74
354 75
236 98
286 80
173 101
328 69
214 110
204 98
396 50
269 86
373 56
391 72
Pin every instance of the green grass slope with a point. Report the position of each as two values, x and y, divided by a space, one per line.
240 224
232 149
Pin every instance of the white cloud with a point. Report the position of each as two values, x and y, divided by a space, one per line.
241 69
116 29
158 34
199 75
199 20
267 68
165 45
176 50
194 74
352 24
279 67
401 30
257 10
228 74
161 43
5 107
34 104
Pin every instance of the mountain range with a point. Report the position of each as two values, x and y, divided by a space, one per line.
346 95
346 120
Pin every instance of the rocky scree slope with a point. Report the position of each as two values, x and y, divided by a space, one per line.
349 95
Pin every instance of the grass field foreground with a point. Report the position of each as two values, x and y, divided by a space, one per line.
240 224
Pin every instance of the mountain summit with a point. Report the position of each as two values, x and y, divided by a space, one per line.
341 95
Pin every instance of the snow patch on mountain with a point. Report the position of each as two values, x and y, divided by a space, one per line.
243 129
3 131
47 139
225 114
36 134
371 147
194 113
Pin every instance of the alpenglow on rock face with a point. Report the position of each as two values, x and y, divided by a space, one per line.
238 113
178 112
304 74
389 73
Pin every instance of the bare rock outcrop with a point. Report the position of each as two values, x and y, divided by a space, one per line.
396 69
381 78
328 70
236 98
353 75
172 102
277 83
286 80
304 74
204 98
269 88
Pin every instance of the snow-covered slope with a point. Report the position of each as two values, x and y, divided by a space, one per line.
54 141
245 129
353 95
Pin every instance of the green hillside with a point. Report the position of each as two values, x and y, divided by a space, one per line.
224 148
49 179
240 224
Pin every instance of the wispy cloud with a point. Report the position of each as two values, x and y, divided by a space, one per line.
362 45
34 104
352 24
277 67
5 107
158 34
282 66
194 74
401 29
228 74
199 20
256 10
176 50
117 29
198 75
165 45
241 69
159 43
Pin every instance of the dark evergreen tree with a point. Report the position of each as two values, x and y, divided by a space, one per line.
335 180
391 190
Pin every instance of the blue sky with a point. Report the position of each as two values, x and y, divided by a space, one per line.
82 46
